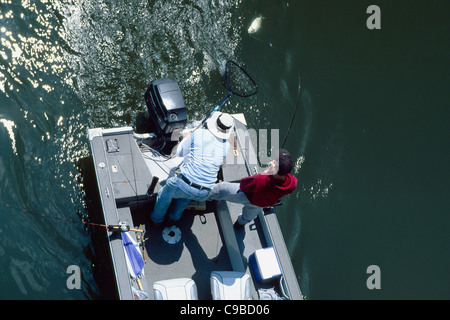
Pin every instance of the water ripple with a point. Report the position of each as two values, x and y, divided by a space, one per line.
122 47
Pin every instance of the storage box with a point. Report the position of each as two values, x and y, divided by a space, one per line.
265 264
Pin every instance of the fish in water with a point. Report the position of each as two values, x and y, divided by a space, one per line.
256 24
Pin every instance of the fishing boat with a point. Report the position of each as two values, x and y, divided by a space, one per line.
203 256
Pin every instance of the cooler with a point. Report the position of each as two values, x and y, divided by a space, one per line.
265 264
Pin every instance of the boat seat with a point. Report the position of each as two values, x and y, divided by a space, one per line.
175 289
230 285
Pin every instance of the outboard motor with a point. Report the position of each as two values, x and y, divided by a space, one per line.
167 112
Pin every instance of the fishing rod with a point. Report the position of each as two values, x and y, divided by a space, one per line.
299 80
122 226
295 110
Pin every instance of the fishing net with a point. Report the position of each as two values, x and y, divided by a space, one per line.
238 81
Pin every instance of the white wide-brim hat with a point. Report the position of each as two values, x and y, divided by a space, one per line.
220 124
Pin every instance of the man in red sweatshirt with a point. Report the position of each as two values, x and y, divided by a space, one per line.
260 190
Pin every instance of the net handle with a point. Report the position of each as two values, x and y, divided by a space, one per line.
217 107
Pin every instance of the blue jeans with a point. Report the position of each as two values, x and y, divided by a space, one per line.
182 193
229 191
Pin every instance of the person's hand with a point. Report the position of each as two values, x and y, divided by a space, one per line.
272 169
184 134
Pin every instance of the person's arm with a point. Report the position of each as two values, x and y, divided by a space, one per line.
247 184
184 147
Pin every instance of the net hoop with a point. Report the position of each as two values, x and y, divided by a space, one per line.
238 81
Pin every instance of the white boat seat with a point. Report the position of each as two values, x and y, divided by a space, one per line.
175 289
230 285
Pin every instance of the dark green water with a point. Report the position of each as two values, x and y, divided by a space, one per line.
370 136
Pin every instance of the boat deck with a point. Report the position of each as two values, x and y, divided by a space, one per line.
201 249
208 240
199 252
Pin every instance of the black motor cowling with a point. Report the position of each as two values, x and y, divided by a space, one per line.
166 107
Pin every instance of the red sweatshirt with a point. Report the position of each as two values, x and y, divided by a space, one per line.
262 191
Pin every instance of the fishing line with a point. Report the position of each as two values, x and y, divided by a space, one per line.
123 227
270 44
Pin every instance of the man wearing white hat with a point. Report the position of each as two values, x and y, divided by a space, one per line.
204 151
